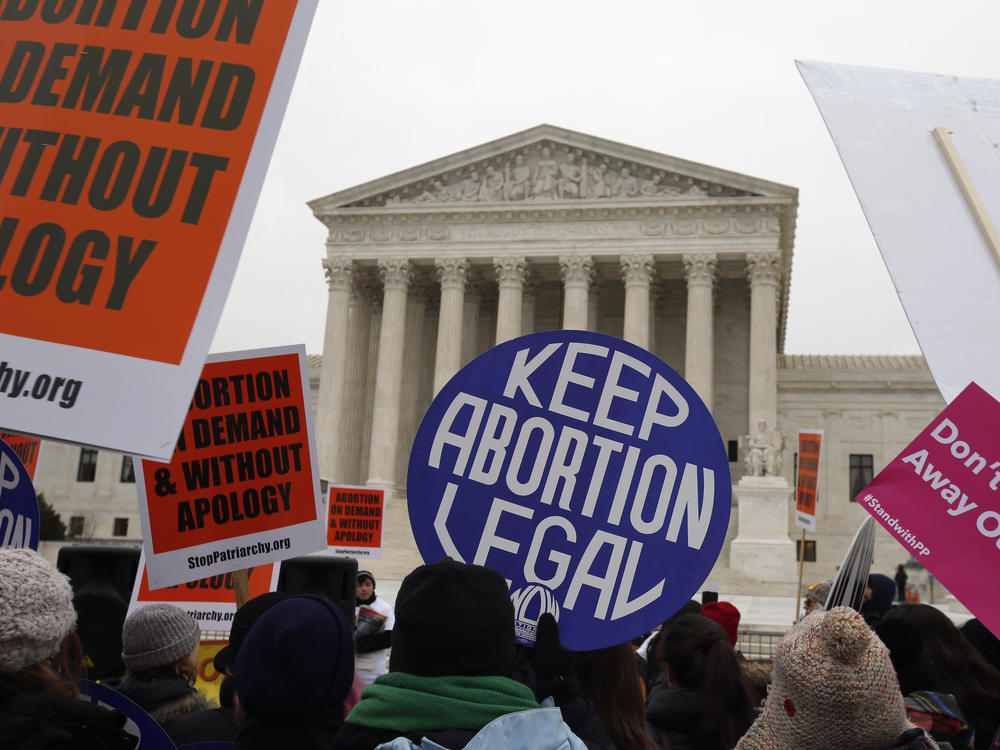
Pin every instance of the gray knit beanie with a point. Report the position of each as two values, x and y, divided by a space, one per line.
157 635
36 609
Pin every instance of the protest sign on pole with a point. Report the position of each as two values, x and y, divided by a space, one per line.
210 601
583 469
242 488
807 479
28 449
355 519
930 228
18 502
135 141
940 499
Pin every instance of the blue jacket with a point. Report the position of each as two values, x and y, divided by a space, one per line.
537 729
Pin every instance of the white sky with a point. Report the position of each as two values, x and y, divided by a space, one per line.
384 86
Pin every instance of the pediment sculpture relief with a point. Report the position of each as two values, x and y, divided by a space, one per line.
550 173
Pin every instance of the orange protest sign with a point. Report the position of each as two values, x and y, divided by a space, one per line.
242 486
217 588
28 449
807 478
210 601
128 127
355 518
134 142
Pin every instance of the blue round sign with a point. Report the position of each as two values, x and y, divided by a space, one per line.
18 503
582 468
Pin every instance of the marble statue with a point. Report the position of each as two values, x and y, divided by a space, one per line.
553 176
492 187
469 187
626 185
516 180
568 184
764 447
546 171
597 184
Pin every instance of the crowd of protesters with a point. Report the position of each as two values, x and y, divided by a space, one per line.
887 676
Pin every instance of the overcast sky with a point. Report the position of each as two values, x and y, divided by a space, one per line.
388 85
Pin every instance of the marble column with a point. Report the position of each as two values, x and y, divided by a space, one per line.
577 273
347 462
655 305
529 299
699 346
330 410
470 322
511 271
371 369
413 361
395 274
448 358
594 299
764 272
637 272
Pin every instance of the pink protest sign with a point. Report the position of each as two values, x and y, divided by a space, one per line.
940 498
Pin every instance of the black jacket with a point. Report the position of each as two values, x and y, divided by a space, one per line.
309 732
214 725
165 700
53 722
675 713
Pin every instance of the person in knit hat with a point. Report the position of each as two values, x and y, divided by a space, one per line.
293 672
374 620
815 596
160 652
41 661
450 672
727 617
219 724
833 686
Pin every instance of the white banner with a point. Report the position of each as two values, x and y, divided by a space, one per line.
944 272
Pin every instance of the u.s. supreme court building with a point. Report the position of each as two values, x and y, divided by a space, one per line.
549 228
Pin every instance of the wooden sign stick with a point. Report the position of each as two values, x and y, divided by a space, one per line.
241 587
969 191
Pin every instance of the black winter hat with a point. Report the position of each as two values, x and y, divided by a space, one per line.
363 574
453 619
298 658
243 620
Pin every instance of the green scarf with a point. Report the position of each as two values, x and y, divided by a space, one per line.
405 702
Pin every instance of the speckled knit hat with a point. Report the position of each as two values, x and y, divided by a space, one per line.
36 609
157 635
832 686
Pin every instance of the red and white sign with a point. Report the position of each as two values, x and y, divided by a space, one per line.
807 478
242 488
210 601
134 143
940 498
355 519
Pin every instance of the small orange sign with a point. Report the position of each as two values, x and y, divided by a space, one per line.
354 520
807 478
28 449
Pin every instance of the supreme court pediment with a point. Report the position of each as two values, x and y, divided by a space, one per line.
545 166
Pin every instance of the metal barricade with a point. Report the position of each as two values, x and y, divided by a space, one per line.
758 645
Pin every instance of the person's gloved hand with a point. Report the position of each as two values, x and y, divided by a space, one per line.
552 663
